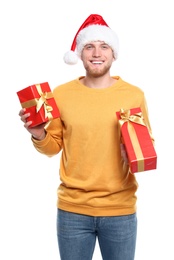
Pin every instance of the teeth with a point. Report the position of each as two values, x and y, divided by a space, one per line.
97 62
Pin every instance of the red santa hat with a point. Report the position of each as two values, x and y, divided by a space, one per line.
94 28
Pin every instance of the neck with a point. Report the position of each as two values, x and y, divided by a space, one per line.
100 82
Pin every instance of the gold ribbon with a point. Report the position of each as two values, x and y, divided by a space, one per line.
126 116
135 118
39 102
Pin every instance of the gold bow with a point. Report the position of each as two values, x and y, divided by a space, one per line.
126 116
39 102
43 102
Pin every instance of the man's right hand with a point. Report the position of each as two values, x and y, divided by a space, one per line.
38 132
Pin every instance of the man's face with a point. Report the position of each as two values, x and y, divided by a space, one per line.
97 58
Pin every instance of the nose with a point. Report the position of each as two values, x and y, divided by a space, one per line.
96 52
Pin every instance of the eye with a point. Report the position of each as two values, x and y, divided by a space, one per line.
88 47
105 46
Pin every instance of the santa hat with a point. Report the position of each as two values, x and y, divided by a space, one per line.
94 28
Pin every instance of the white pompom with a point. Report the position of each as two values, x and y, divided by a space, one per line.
70 58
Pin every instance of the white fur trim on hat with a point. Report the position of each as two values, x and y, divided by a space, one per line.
97 33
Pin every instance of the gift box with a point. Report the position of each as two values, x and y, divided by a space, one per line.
38 100
137 140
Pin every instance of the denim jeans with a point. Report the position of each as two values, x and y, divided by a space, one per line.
77 236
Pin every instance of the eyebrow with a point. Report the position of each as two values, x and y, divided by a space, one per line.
93 43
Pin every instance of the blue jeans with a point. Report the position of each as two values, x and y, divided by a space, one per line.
77 236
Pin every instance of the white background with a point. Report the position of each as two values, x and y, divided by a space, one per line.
34 35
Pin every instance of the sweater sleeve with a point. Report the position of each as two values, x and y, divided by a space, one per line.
52 143
145 112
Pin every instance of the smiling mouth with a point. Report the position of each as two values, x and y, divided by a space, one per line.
97 62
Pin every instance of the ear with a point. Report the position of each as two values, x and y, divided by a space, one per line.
113 55
81 56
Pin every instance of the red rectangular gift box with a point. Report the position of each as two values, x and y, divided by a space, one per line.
137 140
39 102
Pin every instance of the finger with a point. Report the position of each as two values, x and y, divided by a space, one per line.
22 111
27 124
24 117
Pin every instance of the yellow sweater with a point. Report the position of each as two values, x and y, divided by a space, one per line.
94 179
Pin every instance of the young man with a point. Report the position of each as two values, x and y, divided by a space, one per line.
97 193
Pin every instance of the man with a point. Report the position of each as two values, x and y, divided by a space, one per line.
97 193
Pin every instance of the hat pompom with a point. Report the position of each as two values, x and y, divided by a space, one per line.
70 58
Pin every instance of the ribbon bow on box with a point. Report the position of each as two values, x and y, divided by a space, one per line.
43 102
39 102
126 117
